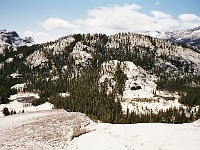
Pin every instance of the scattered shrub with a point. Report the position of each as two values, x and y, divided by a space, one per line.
6 111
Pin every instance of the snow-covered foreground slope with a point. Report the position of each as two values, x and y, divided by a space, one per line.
143 136
54 129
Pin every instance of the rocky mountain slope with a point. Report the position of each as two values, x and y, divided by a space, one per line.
108 76
12 39
190 36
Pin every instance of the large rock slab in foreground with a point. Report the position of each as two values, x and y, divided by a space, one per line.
42 130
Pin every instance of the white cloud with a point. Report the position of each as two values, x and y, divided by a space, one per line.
114 19
159 15
34 34
57 24
189 20
121 18
125 18
38 37
163 22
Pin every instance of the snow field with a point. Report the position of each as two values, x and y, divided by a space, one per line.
141 100
143 136
53 129
17 106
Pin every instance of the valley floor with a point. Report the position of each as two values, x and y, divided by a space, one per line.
52 130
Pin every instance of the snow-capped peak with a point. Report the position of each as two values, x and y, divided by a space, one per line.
190 36
11 38
152 33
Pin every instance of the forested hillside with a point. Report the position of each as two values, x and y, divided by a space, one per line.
122 78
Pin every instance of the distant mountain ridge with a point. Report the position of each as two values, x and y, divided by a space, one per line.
11 38
190 36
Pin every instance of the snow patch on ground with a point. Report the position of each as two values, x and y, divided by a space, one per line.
54 129
136 75
22 102
15 75
147 105
140 94
19 107
21 95
67 94
19 87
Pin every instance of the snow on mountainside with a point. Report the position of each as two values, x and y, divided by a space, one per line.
137 78
22 102
140 86
190 36
58 129
11 38
150 67
82 54
152 33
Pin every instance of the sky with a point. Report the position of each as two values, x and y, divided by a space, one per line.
47 20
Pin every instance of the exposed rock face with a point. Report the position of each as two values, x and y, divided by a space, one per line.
43 130
190 36
10 39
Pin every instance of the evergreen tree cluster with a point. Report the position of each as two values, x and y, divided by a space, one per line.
6 112
61 74
191 96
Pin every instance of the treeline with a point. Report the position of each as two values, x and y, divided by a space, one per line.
14 66
171 115
190 96
6 112
187 87
87 98
87 95
107 110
